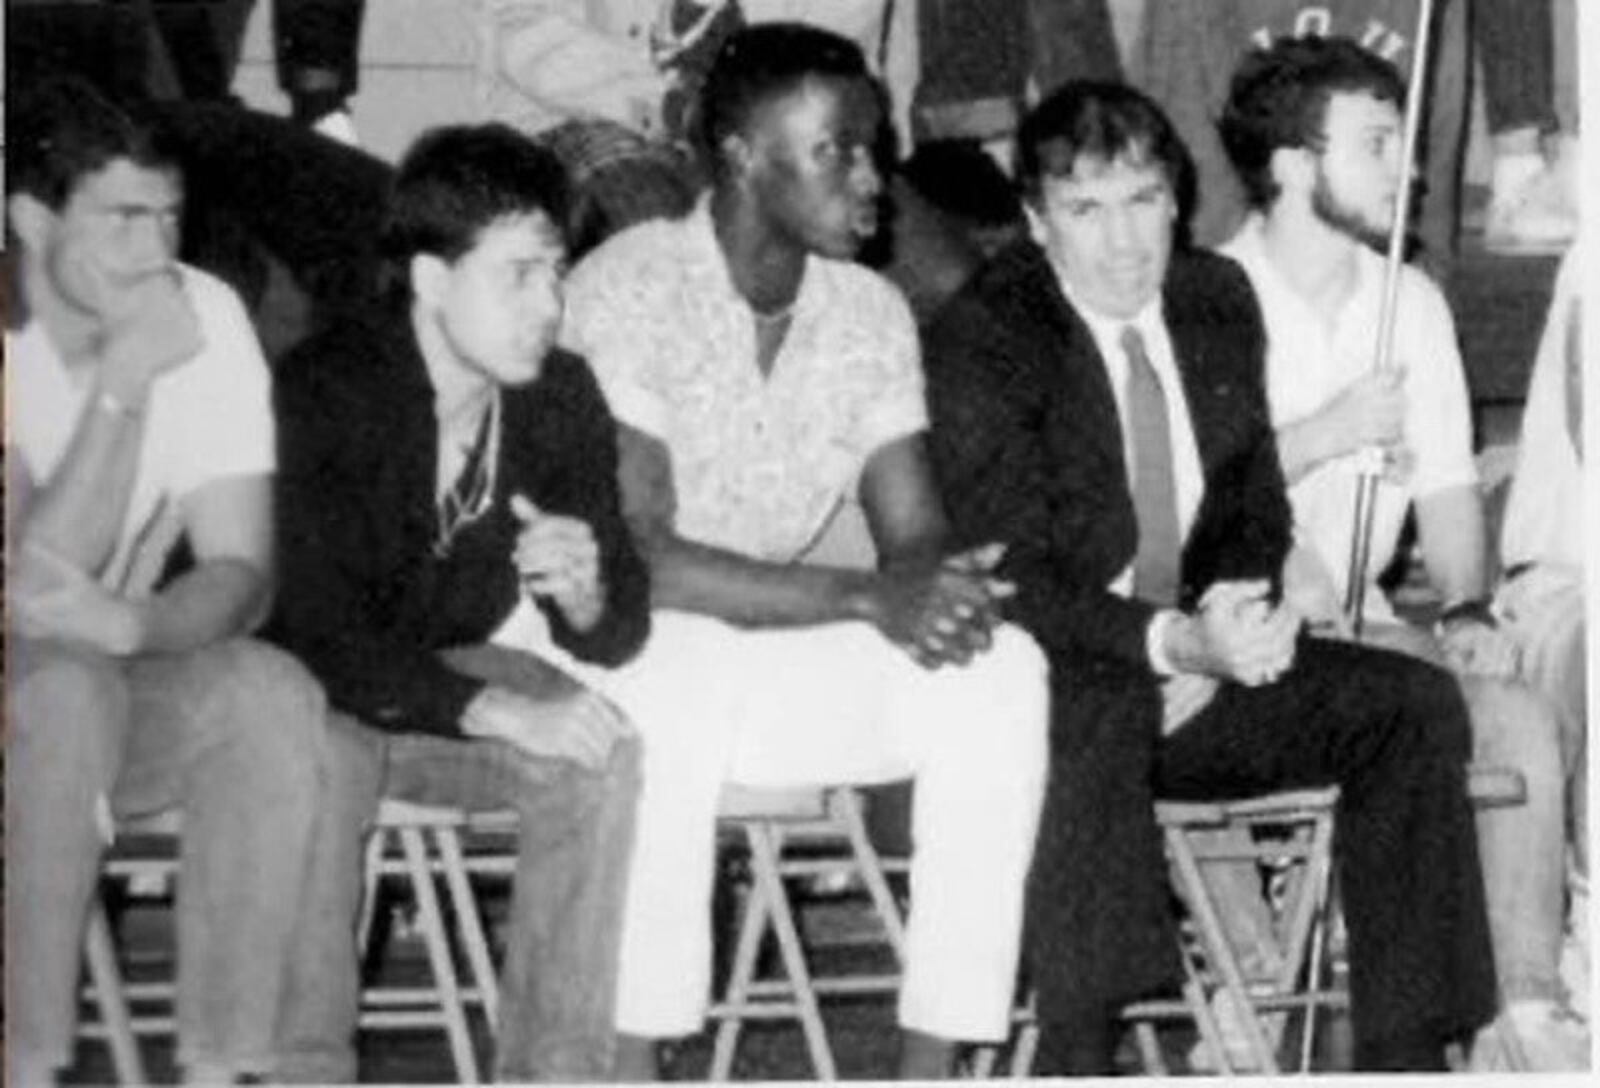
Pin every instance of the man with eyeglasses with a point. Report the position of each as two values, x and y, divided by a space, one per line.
442 465
139 419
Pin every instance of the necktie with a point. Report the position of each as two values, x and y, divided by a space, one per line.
1155 501
465 500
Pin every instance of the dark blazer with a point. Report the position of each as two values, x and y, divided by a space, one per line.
363 598
1028 448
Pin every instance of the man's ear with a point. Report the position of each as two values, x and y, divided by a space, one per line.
430 278
737 155
1293 168
31 219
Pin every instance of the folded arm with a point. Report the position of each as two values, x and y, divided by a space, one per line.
914 592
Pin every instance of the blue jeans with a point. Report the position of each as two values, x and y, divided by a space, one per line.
1522 846
232 735
558 982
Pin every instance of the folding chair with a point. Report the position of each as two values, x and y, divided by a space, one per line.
416 843
771 822
146 856
1291 834
413 842
1288 837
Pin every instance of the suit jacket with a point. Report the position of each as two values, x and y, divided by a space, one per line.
364 599
1028 448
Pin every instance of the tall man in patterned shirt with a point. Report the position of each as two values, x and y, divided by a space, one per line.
760 379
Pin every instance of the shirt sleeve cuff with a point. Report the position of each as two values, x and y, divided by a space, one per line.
891 421
1155 641
638 409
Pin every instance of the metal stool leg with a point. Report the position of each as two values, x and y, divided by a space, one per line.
764 851
847 806
468 921
101 953
741 974
1218 949
431 918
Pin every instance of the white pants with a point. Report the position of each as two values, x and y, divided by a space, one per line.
832 705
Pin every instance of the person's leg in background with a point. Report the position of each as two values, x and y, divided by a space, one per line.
1524 861
108 44
1073 39
1522 851
1530 203
201 40
317 44
1545 614
1444 137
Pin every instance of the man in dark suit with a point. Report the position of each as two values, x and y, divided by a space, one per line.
1098 405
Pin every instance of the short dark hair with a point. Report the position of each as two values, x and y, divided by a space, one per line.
62 128
456 180
760 63
1101 120
1279 98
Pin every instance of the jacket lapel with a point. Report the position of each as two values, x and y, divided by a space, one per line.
1078 371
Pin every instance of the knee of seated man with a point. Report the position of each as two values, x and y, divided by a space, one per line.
1015 659
624 768
267 701
1514 726
1436 709
65 693
1014 677
618 781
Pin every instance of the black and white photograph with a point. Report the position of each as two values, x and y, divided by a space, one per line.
782 540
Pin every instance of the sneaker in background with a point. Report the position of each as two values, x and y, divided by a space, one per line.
1533 202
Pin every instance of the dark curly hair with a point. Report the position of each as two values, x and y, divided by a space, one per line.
458 179
760 63
62 127
1279 98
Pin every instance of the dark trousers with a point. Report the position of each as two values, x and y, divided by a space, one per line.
1515 40
1393 733
317 45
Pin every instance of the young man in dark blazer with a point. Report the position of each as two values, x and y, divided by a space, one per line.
1097 404
444 467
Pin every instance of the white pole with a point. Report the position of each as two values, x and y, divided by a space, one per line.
1372 470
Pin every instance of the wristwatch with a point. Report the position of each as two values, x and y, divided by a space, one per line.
1472 610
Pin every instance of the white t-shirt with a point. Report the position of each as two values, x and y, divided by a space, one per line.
208 419
1309 363
760 464
1544 512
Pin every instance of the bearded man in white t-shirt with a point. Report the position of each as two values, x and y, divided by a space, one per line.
1314 129
139 414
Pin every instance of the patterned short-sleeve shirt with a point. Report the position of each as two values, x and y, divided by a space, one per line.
760 463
